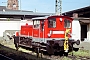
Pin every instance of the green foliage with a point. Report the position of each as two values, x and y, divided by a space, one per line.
66 58
82 53
8 19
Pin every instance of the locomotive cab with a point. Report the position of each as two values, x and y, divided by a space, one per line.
51 28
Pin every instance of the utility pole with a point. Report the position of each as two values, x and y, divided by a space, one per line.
58 7
20 4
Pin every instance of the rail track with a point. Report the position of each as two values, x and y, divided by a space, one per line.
3 57
58 56
53 57
78 58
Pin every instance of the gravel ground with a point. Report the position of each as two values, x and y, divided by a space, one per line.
84 45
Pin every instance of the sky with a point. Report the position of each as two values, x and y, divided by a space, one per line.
48 6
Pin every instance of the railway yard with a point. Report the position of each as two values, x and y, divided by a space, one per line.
29 35
7 49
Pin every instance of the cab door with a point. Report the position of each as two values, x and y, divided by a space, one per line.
36 28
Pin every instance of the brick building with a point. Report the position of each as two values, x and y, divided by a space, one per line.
13 4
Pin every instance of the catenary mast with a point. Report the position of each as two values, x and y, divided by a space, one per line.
58 7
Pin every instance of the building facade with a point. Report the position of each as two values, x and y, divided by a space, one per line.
13 4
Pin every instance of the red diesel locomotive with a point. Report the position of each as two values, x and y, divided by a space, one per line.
51 34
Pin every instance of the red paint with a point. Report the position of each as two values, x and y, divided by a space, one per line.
17 33
28 30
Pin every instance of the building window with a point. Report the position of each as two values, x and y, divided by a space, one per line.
51 23
14 5
67 23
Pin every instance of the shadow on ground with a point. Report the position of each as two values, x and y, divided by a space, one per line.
18 55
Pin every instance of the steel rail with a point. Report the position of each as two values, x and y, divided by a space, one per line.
6 57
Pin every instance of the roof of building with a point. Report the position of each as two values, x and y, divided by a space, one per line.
6 9
82 12
8 13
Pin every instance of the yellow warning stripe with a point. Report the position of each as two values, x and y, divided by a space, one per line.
66 47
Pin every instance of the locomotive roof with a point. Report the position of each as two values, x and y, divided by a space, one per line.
40 18
45 17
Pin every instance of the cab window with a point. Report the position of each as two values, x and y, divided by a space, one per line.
36 23
52 23
42 25
67 23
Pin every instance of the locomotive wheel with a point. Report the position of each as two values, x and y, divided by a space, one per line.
50 50
17 46
61 53
65 53
37 50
